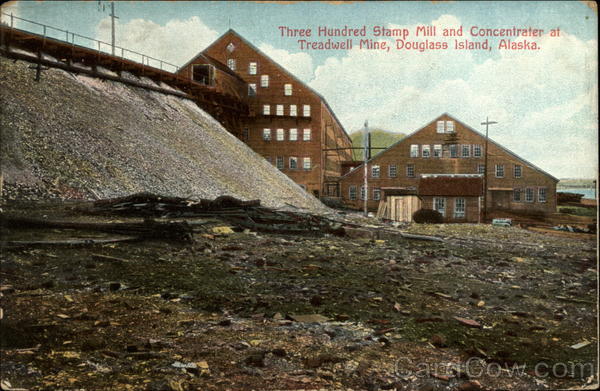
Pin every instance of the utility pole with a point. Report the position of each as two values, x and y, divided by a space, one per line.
366 171
112 25
487 123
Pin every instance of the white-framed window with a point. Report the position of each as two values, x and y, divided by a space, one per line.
252 68
466 150
280 135
267 134
375 171
453 150
363 193
542 194
440 127
517 195
449 126
439 204
279 109
306 134
459 208
287 89
499 170
392 171
481 169
230 47
352 192
518 171
306 110
293 110
529 194
252 89
293 134
267 109
476 150
264 80
425 150
437 150
279 162
414 150
410 170
231 64
293 162
306 163
376 194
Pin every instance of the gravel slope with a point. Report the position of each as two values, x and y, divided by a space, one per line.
73 136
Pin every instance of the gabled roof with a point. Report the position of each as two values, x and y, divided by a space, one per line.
233 32
466 127
216 63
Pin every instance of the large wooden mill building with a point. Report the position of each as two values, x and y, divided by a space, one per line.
288 123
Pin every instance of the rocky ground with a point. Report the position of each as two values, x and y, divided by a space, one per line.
487 308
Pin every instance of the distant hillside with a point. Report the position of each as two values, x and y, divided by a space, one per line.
576 182
379 138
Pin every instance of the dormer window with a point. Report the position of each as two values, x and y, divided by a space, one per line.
231 64
230 47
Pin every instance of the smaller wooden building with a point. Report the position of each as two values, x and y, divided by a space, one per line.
458 197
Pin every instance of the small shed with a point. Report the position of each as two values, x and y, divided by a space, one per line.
398 203
456 196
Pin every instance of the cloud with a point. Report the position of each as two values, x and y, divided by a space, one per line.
545 100
299 64
176 42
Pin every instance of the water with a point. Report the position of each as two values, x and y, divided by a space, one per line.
587 192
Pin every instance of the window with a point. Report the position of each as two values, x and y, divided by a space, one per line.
466 150
306 163
245 134
252 68
375 171
267 109
440 127
251 89
267 134
449 126
481 169
517 195
363 193
414 150
264 80
280 162
352 192
499 170
410 170
476 150
293 163
518 171
437 150
392 171
287 89
293 134
459 208
280 135
293 110
453 150
529 194
542 194
425 150
230 47
279 109
377 194
231 64
439 204
306 109
306 135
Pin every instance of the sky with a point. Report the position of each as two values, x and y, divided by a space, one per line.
544 100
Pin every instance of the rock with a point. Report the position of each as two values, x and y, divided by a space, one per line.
225 322
316 300
310 318
472 385
165 385
279 352
317 361
359 233
222 230
114 286
438 340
